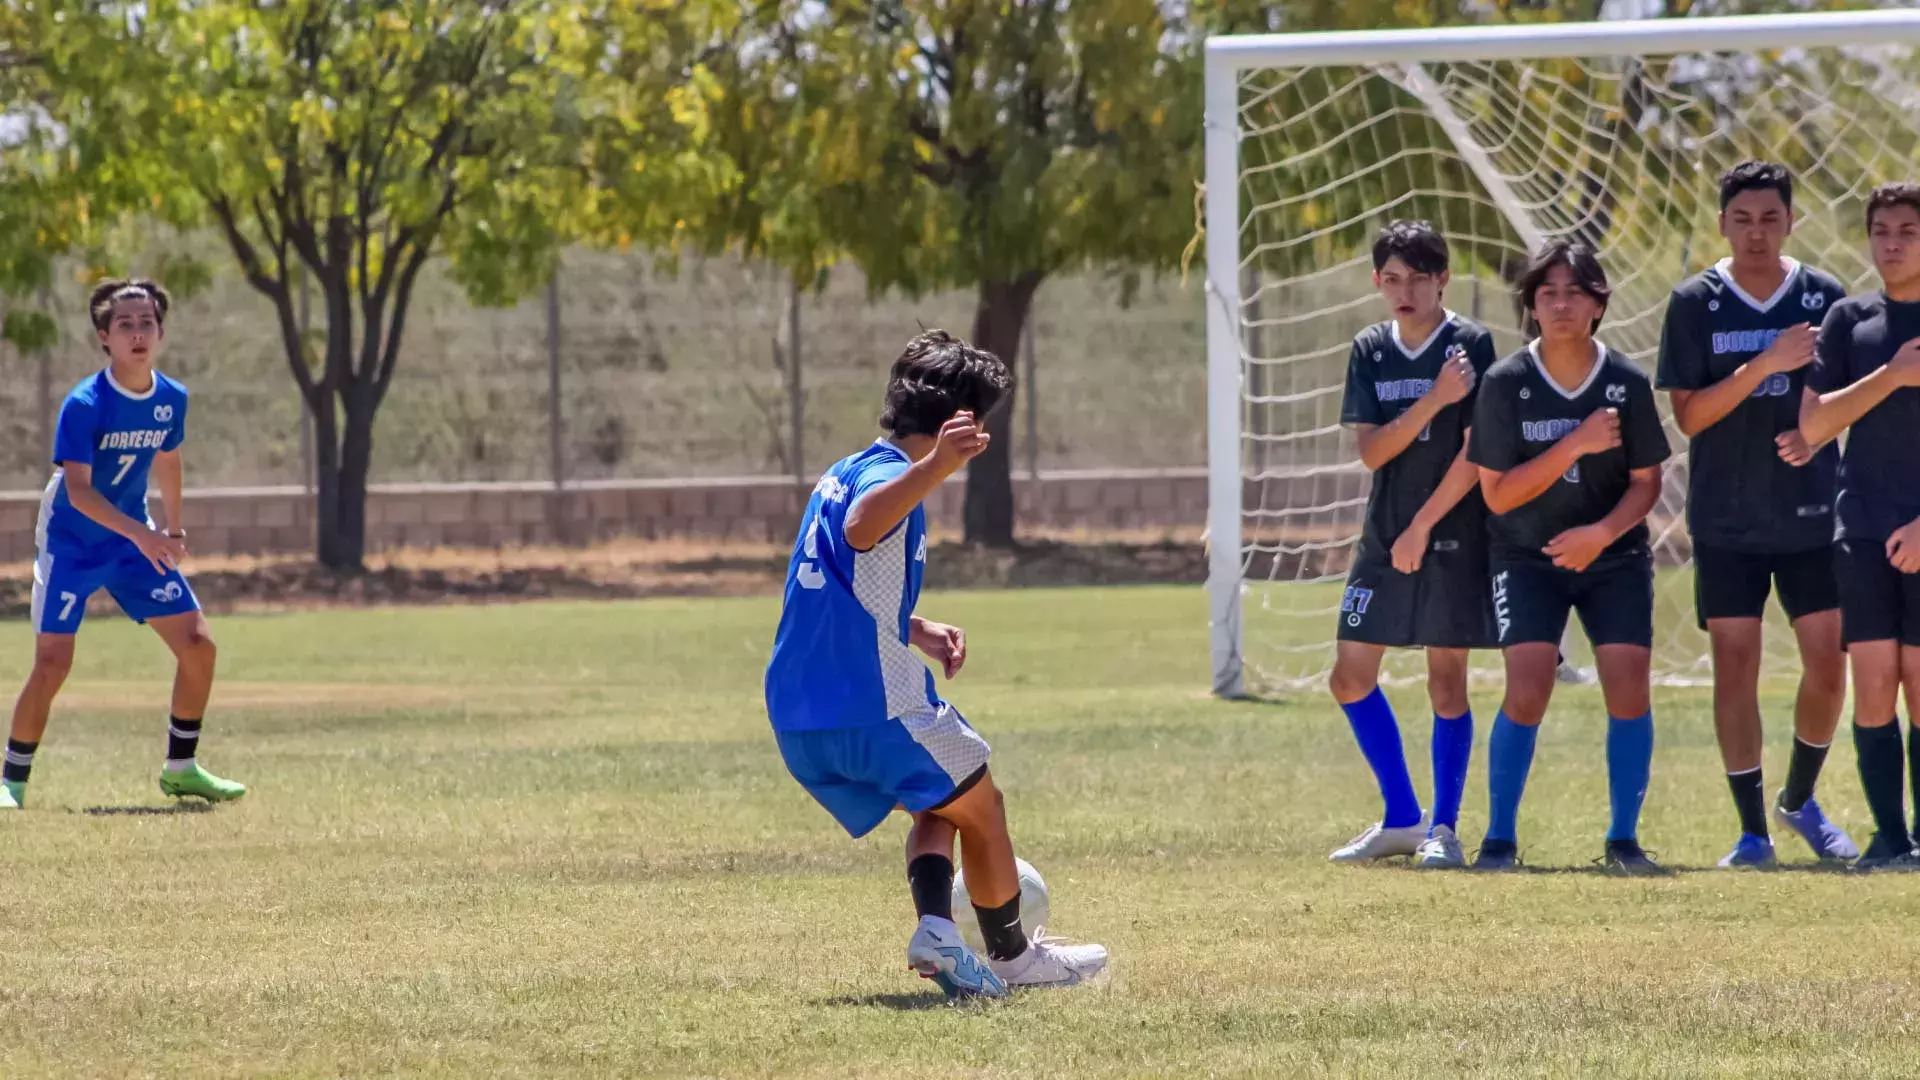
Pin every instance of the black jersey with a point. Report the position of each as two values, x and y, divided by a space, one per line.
1740 495
1880 471
1385 376
1522 412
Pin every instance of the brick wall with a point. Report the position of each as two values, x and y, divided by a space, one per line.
272 520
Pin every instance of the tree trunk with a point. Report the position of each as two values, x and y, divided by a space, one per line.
999 317
328 547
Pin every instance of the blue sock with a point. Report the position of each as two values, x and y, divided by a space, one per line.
1509 758
1452 747
1629 766
1378 734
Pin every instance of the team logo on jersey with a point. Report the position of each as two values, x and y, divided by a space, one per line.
1617 393
1500 610
1377 356
1813 301
1354 604
1525 393
1713 305
163 413
168 593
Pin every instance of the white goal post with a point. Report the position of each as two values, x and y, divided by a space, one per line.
1615 132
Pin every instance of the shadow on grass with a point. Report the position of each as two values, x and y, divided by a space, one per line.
149 810
896 1002
1668 870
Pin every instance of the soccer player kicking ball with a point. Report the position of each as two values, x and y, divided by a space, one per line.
855 713
116 428
1737 340
1866 376
1419 579
1569 446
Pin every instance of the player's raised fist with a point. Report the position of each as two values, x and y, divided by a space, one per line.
961 439
1598 432
1455 380
1906 364
1791 351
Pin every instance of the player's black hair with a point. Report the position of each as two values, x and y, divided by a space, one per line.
1887 196
936 376
1575 256
100 302
1756 176
1418 244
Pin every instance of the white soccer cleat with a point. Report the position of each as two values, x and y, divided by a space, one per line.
1380 842
1440 851
1051 961
938 952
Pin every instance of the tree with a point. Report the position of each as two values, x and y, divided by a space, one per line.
960 144
360 140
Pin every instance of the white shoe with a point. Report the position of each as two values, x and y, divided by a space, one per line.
1575 676
938 952
1380 842
1440 850
1051 961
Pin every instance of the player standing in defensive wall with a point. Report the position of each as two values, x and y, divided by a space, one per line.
1569 445
1419 579
1738 337
1865 380
120 425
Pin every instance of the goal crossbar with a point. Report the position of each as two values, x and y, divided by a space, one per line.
1228 57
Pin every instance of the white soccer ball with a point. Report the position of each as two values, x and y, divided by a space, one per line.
1034 902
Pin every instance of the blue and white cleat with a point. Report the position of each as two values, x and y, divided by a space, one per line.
1750 853
1829 841
938 952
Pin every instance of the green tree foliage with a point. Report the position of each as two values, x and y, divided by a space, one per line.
354 141
961 144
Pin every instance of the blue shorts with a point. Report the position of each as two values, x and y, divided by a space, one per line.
861 774
62 583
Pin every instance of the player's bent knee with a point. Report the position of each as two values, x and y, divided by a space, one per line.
977 802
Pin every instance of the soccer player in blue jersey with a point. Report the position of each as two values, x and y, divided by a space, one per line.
856 714
120 426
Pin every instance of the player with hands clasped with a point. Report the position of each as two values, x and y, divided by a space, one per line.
1734 352
118 427
856 715
1419 578
1569 446
1865 380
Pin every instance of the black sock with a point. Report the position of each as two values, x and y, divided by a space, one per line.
1913 768
19 760
1749 797
1803 770
931 879
1000 926
183 739
1881 769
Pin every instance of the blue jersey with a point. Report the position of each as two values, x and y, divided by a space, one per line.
117 432
840 657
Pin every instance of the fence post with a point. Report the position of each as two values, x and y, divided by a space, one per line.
305 318
796 389
556 435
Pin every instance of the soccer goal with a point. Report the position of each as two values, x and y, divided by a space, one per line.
1613 132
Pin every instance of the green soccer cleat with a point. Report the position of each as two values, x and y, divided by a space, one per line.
13 794
198 781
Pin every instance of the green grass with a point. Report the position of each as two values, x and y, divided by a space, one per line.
556 841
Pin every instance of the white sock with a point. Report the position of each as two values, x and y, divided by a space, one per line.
179 764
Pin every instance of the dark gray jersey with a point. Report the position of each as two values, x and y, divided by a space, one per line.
1880 471
1385 376
1740 495
1521 413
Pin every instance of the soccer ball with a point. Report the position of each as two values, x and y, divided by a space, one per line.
1034 902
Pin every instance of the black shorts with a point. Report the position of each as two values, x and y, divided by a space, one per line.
1877 602
1730 584
1614 596
1442 606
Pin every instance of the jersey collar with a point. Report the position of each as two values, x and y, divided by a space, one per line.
1593 373
1724 268
1414 352
126 393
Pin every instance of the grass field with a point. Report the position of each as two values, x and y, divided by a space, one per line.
555 840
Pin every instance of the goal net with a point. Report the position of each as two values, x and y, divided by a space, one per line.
1615 133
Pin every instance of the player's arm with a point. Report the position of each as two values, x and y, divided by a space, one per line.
1643 440
1513 488
1381 443
882 509
169 476
1410 548
1824 417
1696 410
162 551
